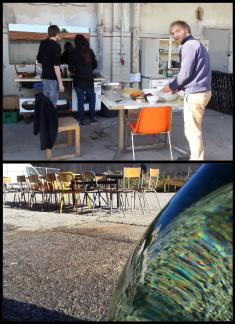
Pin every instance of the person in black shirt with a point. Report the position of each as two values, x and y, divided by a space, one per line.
68 47
82 62
49 56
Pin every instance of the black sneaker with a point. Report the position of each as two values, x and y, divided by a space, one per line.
93 121
84 122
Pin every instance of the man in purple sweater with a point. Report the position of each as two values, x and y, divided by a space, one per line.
194 78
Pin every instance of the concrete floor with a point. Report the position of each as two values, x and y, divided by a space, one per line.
52 269
98 141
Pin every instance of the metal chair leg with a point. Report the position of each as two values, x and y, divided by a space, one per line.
169 139
132 143
138 194
122 204
111 203
157 198
145 196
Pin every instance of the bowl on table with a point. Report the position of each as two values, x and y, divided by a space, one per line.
152 99
167 96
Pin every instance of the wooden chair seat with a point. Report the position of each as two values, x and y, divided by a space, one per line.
67 124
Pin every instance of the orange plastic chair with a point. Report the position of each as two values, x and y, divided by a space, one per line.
152 120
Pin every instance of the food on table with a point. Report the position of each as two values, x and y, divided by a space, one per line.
135 94
126 92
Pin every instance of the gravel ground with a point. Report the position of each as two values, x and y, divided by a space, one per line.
65 266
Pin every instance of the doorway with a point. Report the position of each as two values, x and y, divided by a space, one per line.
218 48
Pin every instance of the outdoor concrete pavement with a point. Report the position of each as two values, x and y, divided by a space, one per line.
98 141
65 266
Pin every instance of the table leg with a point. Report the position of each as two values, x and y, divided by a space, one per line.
121 133
118 195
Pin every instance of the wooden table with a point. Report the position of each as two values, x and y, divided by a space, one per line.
128 104
111 179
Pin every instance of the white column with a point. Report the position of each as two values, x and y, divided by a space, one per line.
135 39
116 42
100 32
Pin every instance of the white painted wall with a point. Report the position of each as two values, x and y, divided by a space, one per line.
154 22
156 17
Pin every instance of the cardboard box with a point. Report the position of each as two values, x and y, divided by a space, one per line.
10 102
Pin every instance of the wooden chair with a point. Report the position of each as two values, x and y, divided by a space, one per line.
152 121
91 188
6 190
171 181
36 186
110 190
52 187
67 124
23 190
65 180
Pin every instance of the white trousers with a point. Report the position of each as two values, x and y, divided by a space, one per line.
194 107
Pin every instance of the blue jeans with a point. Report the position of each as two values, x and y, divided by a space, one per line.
50 89
90 94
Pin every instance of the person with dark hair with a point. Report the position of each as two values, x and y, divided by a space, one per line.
82 62
68 47
144 168
49 56
194 78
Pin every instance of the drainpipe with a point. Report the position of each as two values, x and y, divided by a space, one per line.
135 40
100 33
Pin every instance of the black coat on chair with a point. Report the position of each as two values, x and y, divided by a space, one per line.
45 121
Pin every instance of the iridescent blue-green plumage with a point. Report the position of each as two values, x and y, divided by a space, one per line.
182 271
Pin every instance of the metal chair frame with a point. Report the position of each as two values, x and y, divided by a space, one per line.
151 186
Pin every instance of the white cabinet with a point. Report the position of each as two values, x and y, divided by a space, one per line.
149 57
158 56
155 83
169 60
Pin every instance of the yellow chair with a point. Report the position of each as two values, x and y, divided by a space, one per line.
131 185
65 180
91 187
6 190
151 186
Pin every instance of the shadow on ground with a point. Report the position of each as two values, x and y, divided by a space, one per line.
14 310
